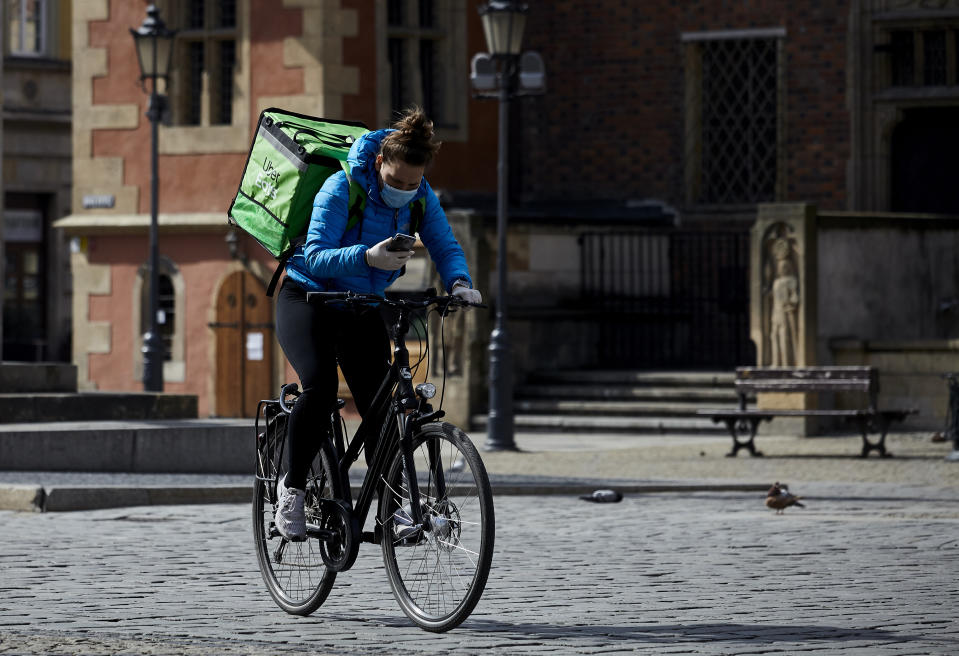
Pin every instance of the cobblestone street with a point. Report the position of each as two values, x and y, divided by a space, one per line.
862 570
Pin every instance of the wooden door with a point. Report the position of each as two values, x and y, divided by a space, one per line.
244 345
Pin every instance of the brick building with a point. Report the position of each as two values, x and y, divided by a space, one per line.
662 121
233 58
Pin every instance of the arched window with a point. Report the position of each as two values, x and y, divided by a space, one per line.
170 318
166 312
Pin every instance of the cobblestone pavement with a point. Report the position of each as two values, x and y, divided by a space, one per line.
702 459
861 570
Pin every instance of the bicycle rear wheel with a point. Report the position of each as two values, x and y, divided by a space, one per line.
438 574
294 572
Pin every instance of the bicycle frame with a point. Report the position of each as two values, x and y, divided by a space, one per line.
388 413
435 530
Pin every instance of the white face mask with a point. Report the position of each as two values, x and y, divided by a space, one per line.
396 198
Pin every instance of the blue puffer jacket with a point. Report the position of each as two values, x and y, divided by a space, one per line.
332 259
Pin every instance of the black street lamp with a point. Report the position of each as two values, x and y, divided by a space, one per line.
495 75
154 46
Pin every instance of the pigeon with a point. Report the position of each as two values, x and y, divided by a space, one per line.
779 498
603 496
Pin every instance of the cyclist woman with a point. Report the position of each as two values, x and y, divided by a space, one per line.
389 166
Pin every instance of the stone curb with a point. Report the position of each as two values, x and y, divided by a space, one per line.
31 498
63 498
24 498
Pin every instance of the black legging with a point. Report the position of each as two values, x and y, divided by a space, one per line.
314 337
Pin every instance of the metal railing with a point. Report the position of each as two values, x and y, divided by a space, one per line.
668 298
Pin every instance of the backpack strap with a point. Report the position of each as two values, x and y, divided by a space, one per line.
357 202
417 213
276 276
281 265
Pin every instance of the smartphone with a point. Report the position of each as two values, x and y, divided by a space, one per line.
401 242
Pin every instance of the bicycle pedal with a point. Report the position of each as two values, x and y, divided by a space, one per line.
370 536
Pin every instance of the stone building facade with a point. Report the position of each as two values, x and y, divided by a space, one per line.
233 58
35 188
664 127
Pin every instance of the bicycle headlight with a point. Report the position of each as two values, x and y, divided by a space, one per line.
426 390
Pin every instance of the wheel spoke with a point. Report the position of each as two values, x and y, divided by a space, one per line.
439 579
299 582
459 548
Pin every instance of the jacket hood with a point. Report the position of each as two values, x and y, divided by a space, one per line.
362 158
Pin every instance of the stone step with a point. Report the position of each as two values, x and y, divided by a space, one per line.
621 401
616 408
223 446
632 425
722 379
22 377
627 392
95 406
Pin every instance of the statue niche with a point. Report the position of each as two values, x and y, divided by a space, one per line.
781 297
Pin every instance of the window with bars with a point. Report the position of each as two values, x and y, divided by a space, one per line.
26 27
205 62
733 119
922 57
420 57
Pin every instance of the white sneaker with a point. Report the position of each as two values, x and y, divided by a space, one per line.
404 532
290 519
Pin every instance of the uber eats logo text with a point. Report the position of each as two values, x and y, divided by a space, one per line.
268 178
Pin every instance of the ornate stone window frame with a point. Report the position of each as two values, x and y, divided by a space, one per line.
449 34
877 106
207 137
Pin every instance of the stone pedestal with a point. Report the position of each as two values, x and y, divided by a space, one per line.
783 300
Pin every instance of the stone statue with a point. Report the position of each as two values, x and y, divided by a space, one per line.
783 322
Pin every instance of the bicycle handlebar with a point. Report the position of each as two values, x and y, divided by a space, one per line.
403 303
290 389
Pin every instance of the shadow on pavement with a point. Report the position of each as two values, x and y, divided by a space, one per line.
850 456
717 631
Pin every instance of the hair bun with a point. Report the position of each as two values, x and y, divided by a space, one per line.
412 140
414 123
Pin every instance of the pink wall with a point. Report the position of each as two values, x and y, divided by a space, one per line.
203 261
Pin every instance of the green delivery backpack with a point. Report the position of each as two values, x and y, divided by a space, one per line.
290 158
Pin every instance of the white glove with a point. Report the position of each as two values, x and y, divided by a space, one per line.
379 258
462 290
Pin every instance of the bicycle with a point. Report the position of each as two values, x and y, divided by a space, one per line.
434 523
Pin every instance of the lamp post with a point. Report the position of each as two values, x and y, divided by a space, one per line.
154 47
494 75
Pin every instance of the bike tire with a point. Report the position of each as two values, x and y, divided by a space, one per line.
300 581
438 576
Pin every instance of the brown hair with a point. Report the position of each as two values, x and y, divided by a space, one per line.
411 140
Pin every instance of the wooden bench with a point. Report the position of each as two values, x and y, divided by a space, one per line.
742 423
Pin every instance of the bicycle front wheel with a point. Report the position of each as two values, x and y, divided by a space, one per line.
294 572
439 572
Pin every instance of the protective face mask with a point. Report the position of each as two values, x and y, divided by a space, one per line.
396 198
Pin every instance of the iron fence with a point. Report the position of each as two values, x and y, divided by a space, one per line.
668 298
